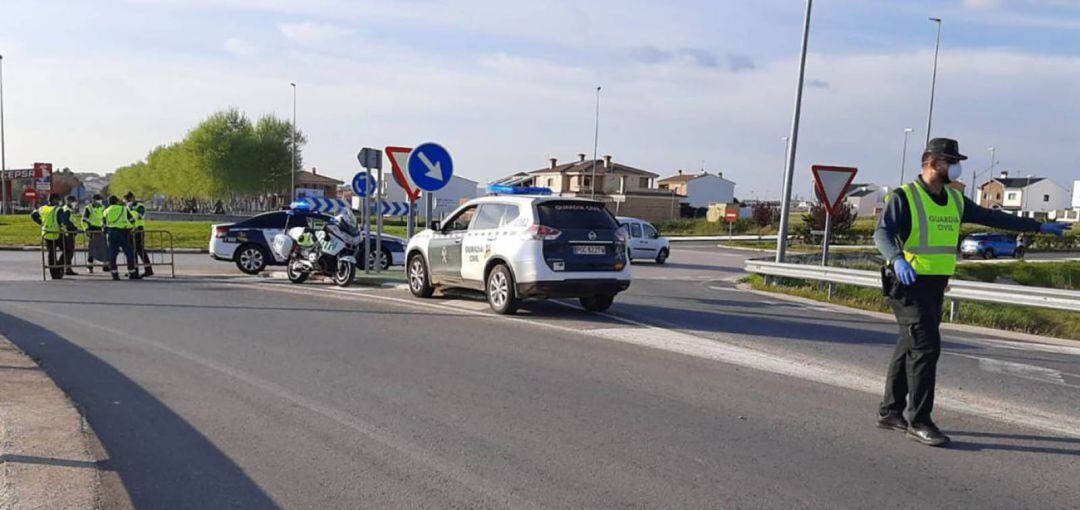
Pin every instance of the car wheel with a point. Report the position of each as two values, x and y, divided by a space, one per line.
384 261
988 254
662 256
501 293
250 259
419 281
597 303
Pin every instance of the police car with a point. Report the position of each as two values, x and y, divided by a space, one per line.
523 243
247 243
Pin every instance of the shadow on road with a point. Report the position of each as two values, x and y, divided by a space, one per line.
162 460
960 444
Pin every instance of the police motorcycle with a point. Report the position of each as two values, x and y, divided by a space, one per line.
327 251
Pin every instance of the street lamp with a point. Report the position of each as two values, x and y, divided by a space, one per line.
933 81
903 154
595 140
292 175
993 161
789 170
3 147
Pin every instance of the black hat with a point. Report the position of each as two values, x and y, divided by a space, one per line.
946 147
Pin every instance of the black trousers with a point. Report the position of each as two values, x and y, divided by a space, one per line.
912 373
120 240
53 247
138 241
91 233
69 250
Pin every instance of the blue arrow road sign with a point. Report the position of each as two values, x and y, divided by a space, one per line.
362 183
430 166
390 208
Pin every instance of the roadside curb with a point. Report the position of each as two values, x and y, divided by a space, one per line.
361 279
47 459
945 326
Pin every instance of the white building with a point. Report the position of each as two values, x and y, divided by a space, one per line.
1076 195
446 199
1025 195
701 189
868 200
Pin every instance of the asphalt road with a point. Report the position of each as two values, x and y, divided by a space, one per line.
223 391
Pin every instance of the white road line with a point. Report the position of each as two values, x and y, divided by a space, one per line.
833 373
1021 370
414 452
1021 346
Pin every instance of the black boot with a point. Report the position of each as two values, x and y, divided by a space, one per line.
115 276
148 272
892 421
927 434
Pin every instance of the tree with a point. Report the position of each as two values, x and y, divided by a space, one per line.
842 220
224 156
764 215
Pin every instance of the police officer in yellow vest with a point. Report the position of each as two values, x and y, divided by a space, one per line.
118 225
94 222
138 233
48 216
918 234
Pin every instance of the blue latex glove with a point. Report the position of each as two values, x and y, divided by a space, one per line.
1057 229
904 272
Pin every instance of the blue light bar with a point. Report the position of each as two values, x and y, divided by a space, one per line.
499 189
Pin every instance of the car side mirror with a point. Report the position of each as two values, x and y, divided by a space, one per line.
656 234
434 225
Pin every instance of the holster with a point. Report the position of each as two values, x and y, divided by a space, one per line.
890 284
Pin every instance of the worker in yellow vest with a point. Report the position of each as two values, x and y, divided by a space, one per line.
138 232
93 218
918 235
118 225
48 217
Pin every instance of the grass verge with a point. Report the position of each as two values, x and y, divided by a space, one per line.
1036 321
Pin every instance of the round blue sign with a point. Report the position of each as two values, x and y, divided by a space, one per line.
430 167
362 184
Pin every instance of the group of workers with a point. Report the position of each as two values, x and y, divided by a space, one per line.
121 225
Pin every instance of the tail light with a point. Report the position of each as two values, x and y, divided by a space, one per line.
542 233
220 232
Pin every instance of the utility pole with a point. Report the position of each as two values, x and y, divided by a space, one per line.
3 147
933 80
903 154
596 138
789 171
292 176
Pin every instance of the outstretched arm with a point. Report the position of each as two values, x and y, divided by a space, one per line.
974 213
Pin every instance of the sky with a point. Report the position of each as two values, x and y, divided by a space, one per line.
505 85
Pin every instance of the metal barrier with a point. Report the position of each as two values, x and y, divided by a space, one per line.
1041 297
158 245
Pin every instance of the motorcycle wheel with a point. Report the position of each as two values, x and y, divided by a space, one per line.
294 272
346 272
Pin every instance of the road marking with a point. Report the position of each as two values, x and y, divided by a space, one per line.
834 374
460 474
1022 346
1021 370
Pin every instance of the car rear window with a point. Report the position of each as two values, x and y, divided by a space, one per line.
266 220
575 215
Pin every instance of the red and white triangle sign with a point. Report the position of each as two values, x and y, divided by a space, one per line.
399 163
831 184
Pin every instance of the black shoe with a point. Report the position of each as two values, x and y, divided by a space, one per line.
892 421
134 276
115 277
149 272
70 272
927 434
90 269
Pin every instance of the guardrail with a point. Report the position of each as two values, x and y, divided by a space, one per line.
963 290
158 244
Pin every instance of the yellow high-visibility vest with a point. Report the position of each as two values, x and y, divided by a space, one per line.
116 217
935 231
50 223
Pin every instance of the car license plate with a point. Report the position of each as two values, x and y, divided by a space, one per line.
589 250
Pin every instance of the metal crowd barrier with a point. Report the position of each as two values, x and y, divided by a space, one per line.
158 245
1040 297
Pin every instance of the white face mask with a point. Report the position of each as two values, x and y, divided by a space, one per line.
955 171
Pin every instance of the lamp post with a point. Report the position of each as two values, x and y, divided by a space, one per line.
903 154
292 175
595 140
3 147
993 161
789 170
933 80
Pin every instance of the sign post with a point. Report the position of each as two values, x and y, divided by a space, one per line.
831 184
731 216
430 168
370 159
